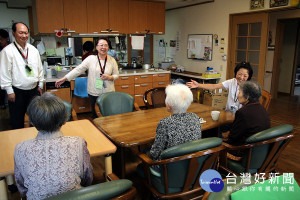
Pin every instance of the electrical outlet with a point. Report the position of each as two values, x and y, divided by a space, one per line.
222 40
221 50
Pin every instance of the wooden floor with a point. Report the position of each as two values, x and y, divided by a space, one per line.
284 110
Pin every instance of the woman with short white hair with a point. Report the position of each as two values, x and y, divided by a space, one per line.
180 127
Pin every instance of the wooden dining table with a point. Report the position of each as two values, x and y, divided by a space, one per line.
97 144
138 128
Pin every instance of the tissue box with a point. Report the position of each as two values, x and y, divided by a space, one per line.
211 75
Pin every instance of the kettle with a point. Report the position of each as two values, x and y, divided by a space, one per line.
134 63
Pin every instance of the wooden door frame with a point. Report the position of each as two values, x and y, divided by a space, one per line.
295 59
277 57
231 42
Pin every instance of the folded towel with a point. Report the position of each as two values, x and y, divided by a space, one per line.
137 42
81 87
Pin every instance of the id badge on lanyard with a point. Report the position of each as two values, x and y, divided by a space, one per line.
28 68
100 84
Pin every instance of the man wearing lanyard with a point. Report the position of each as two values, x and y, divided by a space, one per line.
21 74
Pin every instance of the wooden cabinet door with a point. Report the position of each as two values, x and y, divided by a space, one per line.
63 93
137 17
97 16
49 15
75 15
118 16
156 17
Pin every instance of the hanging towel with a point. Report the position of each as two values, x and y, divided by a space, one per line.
81 87
137 42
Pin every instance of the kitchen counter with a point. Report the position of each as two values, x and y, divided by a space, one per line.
128 72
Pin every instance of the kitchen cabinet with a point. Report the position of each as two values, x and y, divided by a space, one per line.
52 15
75 15
48 16
107 16
137 85
146 17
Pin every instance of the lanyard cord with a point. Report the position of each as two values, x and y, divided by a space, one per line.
102 69
235 96
25 58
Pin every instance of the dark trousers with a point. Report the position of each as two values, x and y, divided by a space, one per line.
18 108
2 97
93 103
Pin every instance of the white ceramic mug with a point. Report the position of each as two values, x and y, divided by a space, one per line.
215 115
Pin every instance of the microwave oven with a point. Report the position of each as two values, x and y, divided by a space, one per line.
53 60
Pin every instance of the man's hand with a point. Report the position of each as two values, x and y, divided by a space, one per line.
40 91
11 97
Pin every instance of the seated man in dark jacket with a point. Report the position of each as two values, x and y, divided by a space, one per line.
251 118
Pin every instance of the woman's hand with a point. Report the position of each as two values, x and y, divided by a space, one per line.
60 81
192 84
106 77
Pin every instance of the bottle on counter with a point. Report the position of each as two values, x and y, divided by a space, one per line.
67 62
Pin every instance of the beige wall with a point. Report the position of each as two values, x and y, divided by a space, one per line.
210 18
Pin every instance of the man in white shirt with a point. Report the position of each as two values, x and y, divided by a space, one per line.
21 74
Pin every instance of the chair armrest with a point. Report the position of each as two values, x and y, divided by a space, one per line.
136 106
145 158
112 177
26 121
74 115
98 111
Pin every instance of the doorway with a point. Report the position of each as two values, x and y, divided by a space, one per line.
287 59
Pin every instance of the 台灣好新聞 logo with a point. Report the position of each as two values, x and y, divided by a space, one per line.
211 181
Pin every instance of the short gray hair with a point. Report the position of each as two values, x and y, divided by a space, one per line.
179 97
251 90
47 112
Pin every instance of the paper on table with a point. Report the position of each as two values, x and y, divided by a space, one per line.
41 48
137 42
202 121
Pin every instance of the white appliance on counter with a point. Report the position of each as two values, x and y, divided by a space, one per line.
165 65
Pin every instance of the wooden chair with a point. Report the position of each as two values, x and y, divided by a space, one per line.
70 111
178 173
265 99
262 151
112 103
157 96
114 189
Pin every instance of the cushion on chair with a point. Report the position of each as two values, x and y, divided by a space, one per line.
191 147
68 109
112 103
270 133
101 191
259 153
177 171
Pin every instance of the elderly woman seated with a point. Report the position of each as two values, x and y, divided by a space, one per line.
250 119
180 127
51 163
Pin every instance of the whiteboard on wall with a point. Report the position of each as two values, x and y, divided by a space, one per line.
200 46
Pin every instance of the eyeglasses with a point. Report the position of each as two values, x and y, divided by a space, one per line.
102 45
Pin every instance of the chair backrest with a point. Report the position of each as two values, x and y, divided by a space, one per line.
108 190
263 150
157 95
182 165
265 99
112 103
71 113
